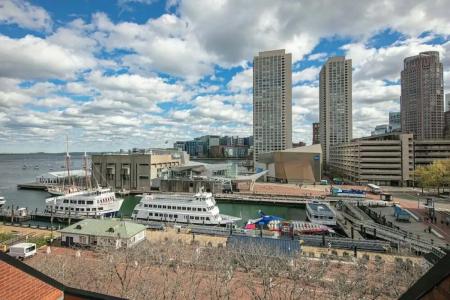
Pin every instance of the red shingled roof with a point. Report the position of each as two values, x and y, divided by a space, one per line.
16 284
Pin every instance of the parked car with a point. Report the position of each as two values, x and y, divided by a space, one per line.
22 250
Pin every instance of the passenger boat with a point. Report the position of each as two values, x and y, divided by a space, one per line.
90 203
320 213
2 201
199 209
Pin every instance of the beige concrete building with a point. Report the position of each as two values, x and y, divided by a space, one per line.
296 165
335 103
388 159
134 171
272 101
422 96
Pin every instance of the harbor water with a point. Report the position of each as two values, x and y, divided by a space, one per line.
24 168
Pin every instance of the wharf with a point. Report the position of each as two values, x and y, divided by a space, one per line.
32 186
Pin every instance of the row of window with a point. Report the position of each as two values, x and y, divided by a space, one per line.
89 202
179 207
170 216
77 208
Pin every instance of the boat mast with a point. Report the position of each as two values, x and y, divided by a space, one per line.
86 176
68 160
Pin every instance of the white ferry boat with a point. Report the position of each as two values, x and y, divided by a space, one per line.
200 209
2 201
91 203
320 213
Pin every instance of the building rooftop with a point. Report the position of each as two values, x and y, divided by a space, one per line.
16 284
105 228
316 148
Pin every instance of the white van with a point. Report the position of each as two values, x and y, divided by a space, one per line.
22 250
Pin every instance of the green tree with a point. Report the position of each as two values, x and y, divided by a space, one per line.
435 175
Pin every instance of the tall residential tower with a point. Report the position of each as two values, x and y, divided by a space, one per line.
422 96
272 102
335 103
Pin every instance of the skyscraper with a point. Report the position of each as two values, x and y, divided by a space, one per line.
422 96
272 101
395 121
447 102
316 134
335 103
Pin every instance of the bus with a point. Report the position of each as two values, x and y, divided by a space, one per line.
374 188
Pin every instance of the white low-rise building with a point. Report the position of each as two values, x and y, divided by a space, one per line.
103 232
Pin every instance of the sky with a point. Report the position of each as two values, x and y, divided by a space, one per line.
120 74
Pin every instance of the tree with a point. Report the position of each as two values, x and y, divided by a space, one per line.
435 175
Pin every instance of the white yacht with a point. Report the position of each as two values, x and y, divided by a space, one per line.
320 213
91 203
199 209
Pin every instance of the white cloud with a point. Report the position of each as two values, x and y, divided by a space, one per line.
241 81
35 58
25 15
307 74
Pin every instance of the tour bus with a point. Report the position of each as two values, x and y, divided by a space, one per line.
374 188
22 250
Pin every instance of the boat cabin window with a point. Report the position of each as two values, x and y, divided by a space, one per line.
194 209
196 218
331 218
175 216
159 206
170 216
207 218
204 209
71 208
66 208
178 207
188 208
191 217
88 209
150 214
145 205
81 202
66 201
100 208
73 201
94 209
164 206
183 208
90 202
77 209
82 209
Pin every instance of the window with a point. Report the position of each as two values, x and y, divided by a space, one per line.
196 218
145 205
73 201
88 209
94 209
188 208
164 206
81 202
89 202
29 249
66 201
175 216
100 208
159 206
184 208
77 209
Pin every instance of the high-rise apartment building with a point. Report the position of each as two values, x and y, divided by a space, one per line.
335 105
272 101
422 96
447 102
316 134
395 121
